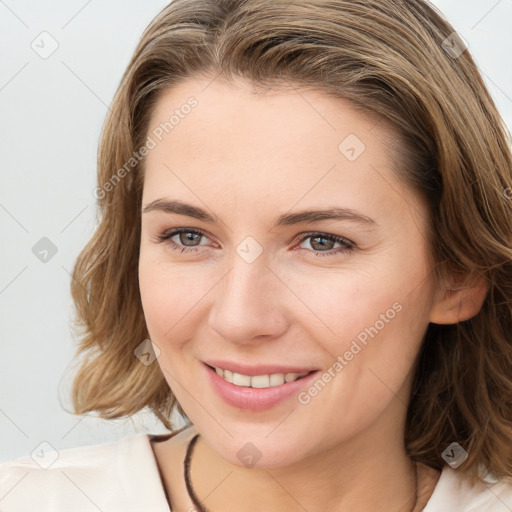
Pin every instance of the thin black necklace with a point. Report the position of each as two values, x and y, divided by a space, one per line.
200 508
195 500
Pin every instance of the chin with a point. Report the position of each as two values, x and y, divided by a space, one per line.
258 451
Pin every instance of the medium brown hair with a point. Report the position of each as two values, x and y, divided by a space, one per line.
390 59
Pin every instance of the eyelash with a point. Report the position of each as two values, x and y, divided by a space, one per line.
347 245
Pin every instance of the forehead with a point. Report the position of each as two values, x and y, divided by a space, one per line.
227 121
218 140
237 112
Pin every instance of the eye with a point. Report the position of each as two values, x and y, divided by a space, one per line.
185 236
326 241
188 240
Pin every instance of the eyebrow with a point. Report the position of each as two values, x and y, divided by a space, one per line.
286 219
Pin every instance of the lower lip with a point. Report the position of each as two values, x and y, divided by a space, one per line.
256 399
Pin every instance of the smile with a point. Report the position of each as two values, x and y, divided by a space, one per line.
259 391
258 381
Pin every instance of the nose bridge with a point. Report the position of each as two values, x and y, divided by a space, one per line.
249 273
246 298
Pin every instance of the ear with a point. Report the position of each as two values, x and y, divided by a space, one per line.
455 305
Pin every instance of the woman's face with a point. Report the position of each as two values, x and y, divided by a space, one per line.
257 286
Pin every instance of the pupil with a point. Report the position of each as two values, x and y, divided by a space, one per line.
189 237
322 245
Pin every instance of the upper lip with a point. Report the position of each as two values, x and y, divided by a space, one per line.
260 369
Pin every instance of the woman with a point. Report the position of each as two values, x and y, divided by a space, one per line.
305 248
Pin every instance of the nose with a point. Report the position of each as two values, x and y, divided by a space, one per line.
249 303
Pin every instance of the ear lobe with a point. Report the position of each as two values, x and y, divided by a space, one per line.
456 305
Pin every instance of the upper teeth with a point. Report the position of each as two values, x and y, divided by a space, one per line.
258 381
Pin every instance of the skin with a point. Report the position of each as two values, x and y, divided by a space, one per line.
248 158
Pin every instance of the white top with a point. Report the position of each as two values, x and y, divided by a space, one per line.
123 476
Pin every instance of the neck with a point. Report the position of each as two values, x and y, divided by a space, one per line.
359 476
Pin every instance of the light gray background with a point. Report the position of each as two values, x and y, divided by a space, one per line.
51 113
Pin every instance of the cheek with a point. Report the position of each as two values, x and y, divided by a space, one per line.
378 335
168 316
374 318
172 297
159 296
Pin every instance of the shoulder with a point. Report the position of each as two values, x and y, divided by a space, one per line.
456 491
120 475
